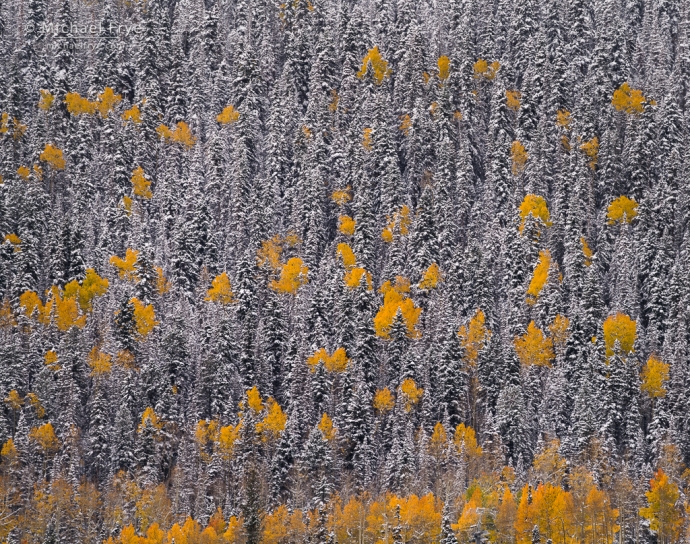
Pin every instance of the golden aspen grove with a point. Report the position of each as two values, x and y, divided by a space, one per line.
347 272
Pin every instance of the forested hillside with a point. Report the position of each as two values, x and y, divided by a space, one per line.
365 271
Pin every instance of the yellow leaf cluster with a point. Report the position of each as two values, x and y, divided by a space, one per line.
13 239
254 401
586 251
45 437
384 400
14 400
664 516
227 439
513 99
346 225
622 210
465 440
282 526
367 139
221 290
228 116
144 317
50 359
411 393
149 417
65 309
126 267
484 70
333 104
419 519
398 224
379 67
337 362
107 100
292 276
621 328
405 124
46 100
431 278
141 186
345 252
443 68
341 196
353 278
181 134
127 204
536 206
270 253
655 374
474 337
559 331
23 172
591 149
162 283
53 156
326 427
533 348
539 276
78 105
629 100
92 286
99 362
394 301
35 402
30 302
133 114
563 119
519 156
273 424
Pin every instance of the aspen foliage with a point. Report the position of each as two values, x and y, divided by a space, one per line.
655 374
346 225
367 138
78 105
337 362
664 515
586 251
353 278
91 287
560 331
326 427
99 362
13 239
591 149
485 70
395 301
622 210
533 348
45 437
535 206
126 267
539 276
384 401
292 276
220 290
46 101
132 115
253 400
563 119
273 423
163 285
474 337
405 124
23 172
443 64
65 310
347 255
342 196
31 303
141 186
107 101
622 329
398 225
228 116
51 360
228 437
374 64
513 99
519 156
180 134
431 277
628 100
144 318
53 156
410 393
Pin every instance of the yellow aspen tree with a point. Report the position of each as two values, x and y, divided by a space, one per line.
539 277
535 206
395 301
326 427
655 374
431 278
628 100
141 186
220 290
622 210
99 362
533 348
144 318
51 360
132 115
519 156
591 149
619 327
126 267
45 437
228 116
273 424
474 337
560 332
374 63
346 225
513 99
347 255
78 105
664 515
383 400
341 197
353 278
53 156
335 99
107 100
586 251
227 439
292 276
485 70
411 393
46 101
505 517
